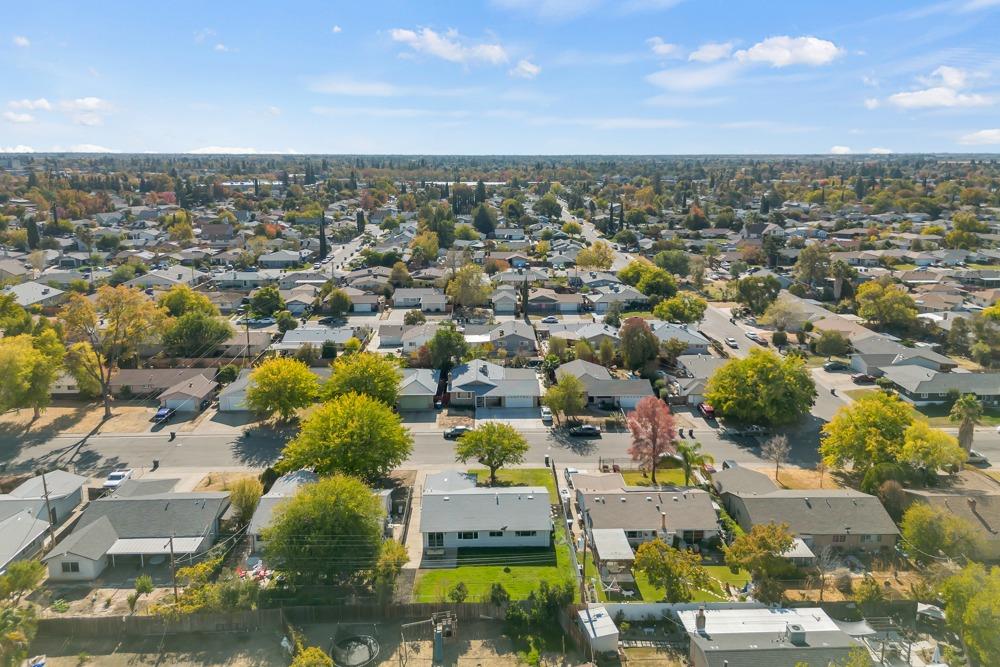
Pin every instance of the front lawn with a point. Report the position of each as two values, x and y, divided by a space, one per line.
938 415
519 570
521 477
855 394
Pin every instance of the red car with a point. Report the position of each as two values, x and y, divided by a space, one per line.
706 410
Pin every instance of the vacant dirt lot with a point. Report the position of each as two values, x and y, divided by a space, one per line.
80 418
801 478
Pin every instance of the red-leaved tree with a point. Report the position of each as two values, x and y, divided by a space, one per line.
653 433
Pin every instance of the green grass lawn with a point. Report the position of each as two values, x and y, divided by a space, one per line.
520 571
858 393
521 477
816 361
938 415
988 267
650 593
673 476
647 314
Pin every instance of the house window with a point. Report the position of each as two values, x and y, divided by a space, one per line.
70 567
692 536
871 538
633 534
525 533
435 540
469 535
496 533
839 538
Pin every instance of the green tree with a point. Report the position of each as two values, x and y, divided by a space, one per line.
484 219
338 303
332 527
17 630
365 373
691 458
354 434
761 553
607 353
684 307
757 292
967 411
392 557
469 287
597 256
195 334
21 577
446 346
868 591
929 448
266 301
972 603
634 271
638 344
657 282
870 431
494 445
813 265
674 261
930 532
567 397
458 593
181 299
842 274
679 572
285 321
762 388
281 386
884 304
400 275
244 494
832 344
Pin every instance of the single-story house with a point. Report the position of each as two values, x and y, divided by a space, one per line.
427 299
664 331
283 488
36 294
233 397
139 520
543 300
922 386
516 337
979 509
480 383
26 517
417 389
601 388
679 517
151 382
457 514
280 259
190 395
316 335
625 296
504 299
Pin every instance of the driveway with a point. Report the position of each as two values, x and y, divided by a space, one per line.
522 419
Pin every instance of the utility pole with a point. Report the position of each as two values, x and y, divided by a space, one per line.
48 511
583 578
246 326
173 569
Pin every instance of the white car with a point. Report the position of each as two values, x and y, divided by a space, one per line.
115 479
731 342
976 458
546 415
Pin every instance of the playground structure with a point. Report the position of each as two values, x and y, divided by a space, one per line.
441 628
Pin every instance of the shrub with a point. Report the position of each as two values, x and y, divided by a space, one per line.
459 592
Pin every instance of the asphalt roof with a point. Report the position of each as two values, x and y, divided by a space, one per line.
484 508
687 509
820 511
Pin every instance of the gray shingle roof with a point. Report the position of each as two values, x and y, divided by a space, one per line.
481 508
689 509
820 511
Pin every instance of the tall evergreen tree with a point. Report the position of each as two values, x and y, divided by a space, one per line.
480 191
361 221
323 250
33 239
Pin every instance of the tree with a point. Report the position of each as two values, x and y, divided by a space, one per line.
785 313
972 603
548 206
654 433
392 557
244 495
674 261
365 373
312 656
868 591
469 287
867 432
106 331
757 292
17 630
338 303
28 367
760 551
884 304
458 593
447 345
597 256
607 353
413 317
266 301
762 388
285 321
679 572
832 344
333 526
195 334
359 219
21 577
494 445
842 274
484 219
967 411
929 448
638 344
634 271
281 386
34 238
400 275
684 307
691 457
812 265
657 282
353 434
931 532
776 449
567 397
181 299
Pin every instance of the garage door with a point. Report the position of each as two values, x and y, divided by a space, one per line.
182 404
233 403
519 401
414 403
628 402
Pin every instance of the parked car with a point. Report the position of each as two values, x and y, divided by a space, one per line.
707 411
546 415
835 366
754 337
164 415
456 432
976 458
585 431
861 378
551 319
263 321
731 342
115 479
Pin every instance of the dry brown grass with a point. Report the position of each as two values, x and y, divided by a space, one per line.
81 418
221 481
801 478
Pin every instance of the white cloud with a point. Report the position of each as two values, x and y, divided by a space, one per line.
661 48
870 81
337 84
949 77
41 104
274 111
85 104
878 150
449 46
90 148
634 6
938 97
221 48
335 29
88 119
223 150
783 50
20 148
981 138
525 69
695 78
15 117
21 41
841 150
630 123
872 103
711 51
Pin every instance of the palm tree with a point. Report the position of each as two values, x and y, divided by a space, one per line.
967 410
841 272
691 457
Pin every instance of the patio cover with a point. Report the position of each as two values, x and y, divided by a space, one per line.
147 546
610 544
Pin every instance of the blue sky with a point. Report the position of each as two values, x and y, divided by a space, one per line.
502 76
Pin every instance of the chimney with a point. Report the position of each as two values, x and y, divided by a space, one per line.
699 620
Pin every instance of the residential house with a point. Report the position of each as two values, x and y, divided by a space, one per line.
316 335
280 259
32 508
923 386
626 296
12 271
664 331
504 300
515 337
601 389
417 389
978 506
542 300
483 384
693 374
36 294
248 342
142 519
191 395
427 299
284 487
167 278
457 514
679 517
151 382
